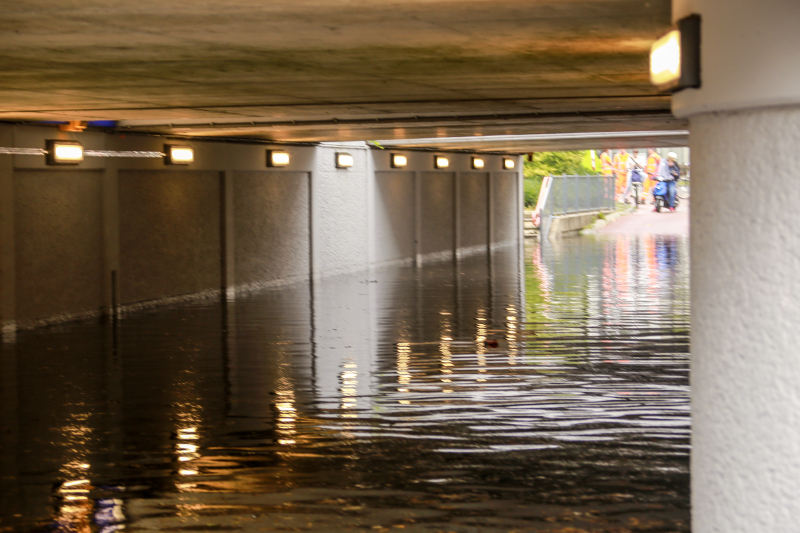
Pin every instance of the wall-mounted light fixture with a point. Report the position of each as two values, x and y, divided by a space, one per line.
440 161
63 152
478 163
277 158
178 154
509 164
344 160
675 57
398 161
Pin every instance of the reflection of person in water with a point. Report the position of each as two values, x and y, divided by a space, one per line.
667 253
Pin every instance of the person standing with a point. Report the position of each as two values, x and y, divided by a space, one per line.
634 172
606 163
621 172
653 159
669 172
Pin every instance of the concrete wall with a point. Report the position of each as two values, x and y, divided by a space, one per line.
340 200
271 226
474 210
437 215
505 218
394 216
58 242
169 233
83 240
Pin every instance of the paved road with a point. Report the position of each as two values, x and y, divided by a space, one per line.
646 221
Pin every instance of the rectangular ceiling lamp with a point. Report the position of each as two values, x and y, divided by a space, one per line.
509 164
478 163
277 158
177 154
344 160
398 161
675 57
63 152
440 161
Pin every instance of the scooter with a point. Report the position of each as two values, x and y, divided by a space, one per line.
660 196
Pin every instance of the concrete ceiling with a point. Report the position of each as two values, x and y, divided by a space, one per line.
337 70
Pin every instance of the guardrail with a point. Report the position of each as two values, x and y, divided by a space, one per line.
566 195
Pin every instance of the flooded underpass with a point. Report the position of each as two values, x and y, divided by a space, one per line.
544 393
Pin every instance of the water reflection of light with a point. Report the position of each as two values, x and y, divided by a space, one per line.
512 334
348 388
287 413
79 513
403 373
445 345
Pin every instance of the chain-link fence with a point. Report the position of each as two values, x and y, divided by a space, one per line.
577 194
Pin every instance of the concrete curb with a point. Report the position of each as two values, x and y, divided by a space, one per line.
600 222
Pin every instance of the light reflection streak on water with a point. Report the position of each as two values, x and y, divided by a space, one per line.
580 403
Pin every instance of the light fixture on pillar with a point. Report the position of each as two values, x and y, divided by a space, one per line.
675 57
398 161
440 161
478 163
178 154
63 152
509 164
344 160
277 158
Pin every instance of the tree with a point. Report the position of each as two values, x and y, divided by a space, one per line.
552 164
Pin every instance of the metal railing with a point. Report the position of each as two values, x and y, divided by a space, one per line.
577 194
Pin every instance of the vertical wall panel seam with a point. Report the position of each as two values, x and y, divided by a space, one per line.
417 218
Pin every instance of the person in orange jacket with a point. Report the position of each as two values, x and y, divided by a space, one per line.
621 172
606 163
651 168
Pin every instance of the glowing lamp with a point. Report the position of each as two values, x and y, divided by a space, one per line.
175 154
277 158
509 164
675 57
478 163
440 161
344 160
399 161
63 152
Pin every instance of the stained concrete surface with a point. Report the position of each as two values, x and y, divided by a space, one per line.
332 70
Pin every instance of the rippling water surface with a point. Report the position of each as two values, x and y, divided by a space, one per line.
483 397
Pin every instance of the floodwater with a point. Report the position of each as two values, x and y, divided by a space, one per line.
485 398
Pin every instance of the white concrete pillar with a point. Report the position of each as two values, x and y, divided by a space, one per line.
745 248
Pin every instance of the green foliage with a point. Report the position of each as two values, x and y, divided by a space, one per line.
531 188
577 162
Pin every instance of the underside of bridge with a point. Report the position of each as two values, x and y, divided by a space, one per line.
332 70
